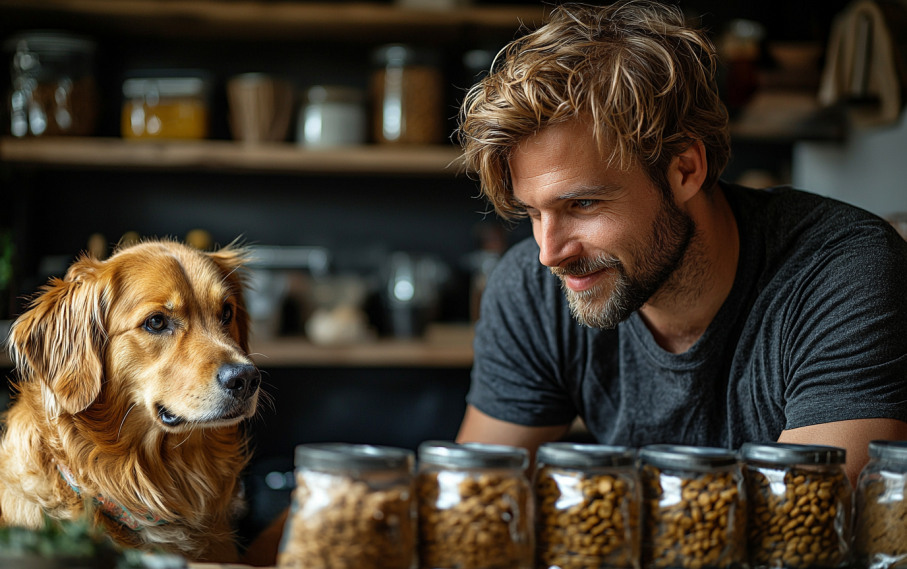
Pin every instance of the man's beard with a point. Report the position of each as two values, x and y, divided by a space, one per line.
657 260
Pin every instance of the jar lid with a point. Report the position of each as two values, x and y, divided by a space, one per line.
787 453
333 94
686 457
888 450
342 456
50 41
586 455
474 455
400 54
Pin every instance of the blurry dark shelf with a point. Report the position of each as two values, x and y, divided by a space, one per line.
358 21
443 346
222 155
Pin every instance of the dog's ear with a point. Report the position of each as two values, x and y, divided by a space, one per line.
230 260
60 339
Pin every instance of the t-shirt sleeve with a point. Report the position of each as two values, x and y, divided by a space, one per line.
516 376
844 354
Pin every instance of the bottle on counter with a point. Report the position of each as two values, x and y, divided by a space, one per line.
586 506
693 508
799 505
474 506
353 507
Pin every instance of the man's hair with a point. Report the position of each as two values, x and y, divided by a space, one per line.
643 78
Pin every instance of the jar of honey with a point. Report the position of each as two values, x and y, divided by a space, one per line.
165 107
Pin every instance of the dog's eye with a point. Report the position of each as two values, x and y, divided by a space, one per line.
156 323
227 314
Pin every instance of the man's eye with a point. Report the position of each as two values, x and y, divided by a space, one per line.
227 315
156 323
586 204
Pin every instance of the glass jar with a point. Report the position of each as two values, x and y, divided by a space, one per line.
331 116
474 509
53 90
587 506
694 507
881 534
408 95
165 106
353 507
799 505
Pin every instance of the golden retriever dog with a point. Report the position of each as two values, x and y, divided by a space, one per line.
134 377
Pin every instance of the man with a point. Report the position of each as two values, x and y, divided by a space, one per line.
655 302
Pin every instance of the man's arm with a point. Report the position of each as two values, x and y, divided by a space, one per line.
853 435
477 427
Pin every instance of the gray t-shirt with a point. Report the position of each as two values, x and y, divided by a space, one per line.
814 330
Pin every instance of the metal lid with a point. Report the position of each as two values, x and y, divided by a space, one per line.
472 455
334 94
50 41
787 453
343 456
399 54
585 455
686 457
164 86
888 450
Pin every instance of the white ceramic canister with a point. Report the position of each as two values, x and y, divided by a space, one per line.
331 116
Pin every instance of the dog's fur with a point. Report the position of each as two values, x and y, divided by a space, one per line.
97 386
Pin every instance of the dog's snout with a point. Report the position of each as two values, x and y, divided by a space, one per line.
241 380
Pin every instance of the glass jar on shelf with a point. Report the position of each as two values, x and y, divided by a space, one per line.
166 104
408 95
474 506
353 507
587 506
53 88
880 540
799 505
693 507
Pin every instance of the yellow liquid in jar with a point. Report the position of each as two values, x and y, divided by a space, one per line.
174 118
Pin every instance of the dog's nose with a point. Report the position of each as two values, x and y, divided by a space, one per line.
241 380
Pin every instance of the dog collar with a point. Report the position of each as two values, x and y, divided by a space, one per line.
110 508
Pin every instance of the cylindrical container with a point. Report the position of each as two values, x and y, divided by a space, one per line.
331 116
53 86
408 96
474 506
160 106
799 505
587 506
694 507
881 532
353 507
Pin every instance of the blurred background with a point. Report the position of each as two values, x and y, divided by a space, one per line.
319 134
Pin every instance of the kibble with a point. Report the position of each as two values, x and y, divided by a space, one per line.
469 520
797 517
341 523
693 520
585 520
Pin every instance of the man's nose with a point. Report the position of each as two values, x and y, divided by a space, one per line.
556 244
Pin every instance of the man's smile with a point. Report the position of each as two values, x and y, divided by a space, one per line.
585 282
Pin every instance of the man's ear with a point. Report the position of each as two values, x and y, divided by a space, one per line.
687 171
230 261
60 339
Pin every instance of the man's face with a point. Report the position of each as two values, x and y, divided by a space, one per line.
607 233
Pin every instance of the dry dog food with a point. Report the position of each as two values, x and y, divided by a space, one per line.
473 507
694 510
881 530
587 507
799 505
339 521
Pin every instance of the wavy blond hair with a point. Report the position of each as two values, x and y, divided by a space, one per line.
643 78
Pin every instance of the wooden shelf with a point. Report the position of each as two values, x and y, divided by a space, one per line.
115 153
302 21
444 346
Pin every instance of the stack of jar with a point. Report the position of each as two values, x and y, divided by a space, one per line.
471 506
